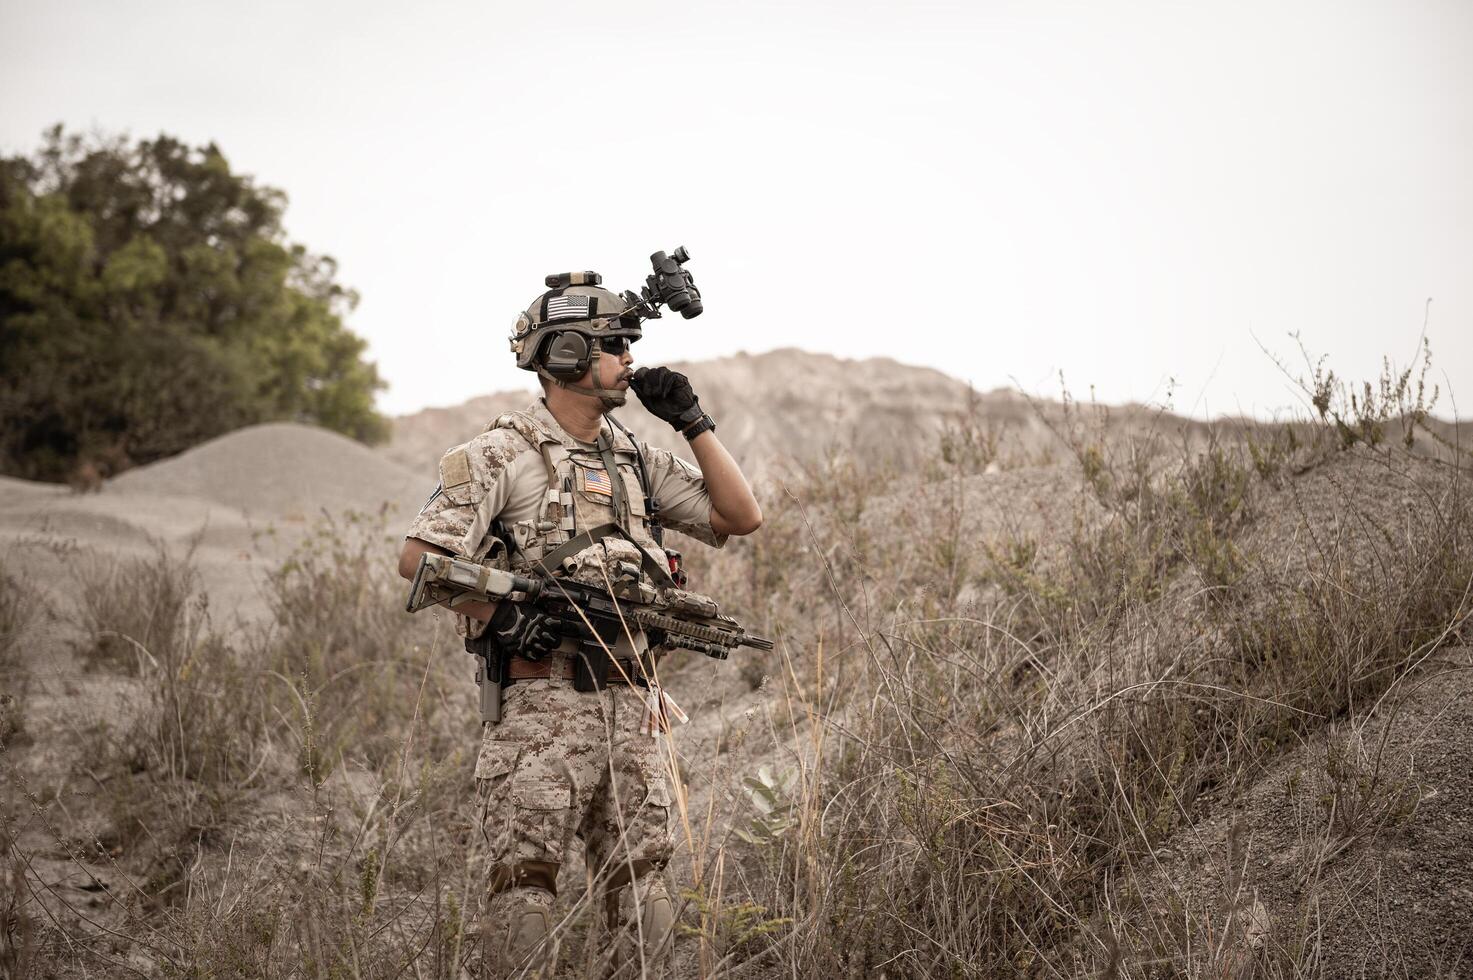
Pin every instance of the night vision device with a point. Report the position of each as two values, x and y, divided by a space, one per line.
671 285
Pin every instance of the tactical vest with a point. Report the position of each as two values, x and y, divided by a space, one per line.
582 494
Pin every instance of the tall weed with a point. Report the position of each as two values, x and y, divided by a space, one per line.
347 661
133 608
20 607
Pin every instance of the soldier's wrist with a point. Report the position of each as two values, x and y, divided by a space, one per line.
686 417
703 424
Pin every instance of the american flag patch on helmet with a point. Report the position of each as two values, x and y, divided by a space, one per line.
597 481
567 308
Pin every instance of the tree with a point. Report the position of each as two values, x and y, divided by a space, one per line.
149 300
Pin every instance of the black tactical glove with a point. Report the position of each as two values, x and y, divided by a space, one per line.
526 630
667 395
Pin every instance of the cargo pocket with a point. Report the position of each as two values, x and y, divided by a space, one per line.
656 780
649 831
494 763
541 817
539 794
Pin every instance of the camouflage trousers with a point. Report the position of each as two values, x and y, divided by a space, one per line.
562 764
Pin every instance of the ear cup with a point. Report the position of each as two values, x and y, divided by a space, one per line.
567 355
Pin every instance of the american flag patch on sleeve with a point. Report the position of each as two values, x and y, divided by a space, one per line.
567 308
597 481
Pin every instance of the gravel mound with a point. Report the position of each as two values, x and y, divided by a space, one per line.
1348 516
284 471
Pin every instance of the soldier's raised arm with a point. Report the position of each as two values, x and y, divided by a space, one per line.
668 396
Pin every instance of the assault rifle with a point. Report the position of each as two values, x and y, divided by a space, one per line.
677 618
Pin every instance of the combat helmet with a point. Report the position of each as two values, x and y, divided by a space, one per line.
561 335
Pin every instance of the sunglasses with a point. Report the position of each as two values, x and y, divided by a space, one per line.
614 345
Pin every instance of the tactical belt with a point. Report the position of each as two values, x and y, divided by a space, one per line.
520 669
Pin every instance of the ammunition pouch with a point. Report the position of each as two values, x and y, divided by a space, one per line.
591 672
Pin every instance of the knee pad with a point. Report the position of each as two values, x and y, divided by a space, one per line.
527 925
656 911
516 924
640 929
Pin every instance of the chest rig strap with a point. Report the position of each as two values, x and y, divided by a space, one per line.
651 505
616 478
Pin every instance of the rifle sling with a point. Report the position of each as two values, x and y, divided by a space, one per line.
651 505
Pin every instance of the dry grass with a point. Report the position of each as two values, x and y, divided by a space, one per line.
136 608
981 748
20 609
271 799
998 776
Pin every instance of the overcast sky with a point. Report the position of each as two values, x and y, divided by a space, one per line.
1128 192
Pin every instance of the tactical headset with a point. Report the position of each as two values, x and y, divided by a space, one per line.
566 355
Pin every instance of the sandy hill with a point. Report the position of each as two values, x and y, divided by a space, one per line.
792 405
233 501
781 404
281 471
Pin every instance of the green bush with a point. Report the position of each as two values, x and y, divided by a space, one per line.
149 300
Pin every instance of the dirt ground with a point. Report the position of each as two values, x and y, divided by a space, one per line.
1359 843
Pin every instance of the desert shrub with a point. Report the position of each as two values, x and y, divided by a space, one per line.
355 669
971 443
283 797
202 736
19 956
20 607
1363 414
191 736
140 607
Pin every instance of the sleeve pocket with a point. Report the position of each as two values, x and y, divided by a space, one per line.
457 478
465 495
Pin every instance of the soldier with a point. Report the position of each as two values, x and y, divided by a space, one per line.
536 492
